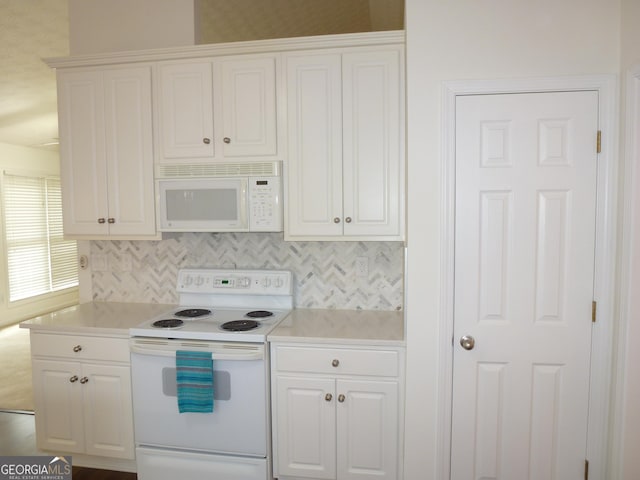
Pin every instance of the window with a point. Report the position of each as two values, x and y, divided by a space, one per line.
39 260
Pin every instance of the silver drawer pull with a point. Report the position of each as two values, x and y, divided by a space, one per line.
226 140
206 141
84 380
341 398
74 379
77 348
335 362
328 397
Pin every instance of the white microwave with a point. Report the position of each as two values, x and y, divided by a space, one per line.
220 198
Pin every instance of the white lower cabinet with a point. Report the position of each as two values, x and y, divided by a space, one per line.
82 395
341 419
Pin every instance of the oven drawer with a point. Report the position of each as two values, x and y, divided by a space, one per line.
80 347
345 361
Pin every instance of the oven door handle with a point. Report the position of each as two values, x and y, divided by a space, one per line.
234 353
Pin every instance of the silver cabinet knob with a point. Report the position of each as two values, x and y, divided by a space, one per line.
101 220
77 348
111 220
336 220
467 342
347 220
226 140
341 398
84 380
73 379
328 397
335 362
206 141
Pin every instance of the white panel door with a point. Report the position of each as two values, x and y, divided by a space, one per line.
314 115
372 151
367 422
186 111
108 414
129 145
524 267
57 396
249 107
82 152
305 425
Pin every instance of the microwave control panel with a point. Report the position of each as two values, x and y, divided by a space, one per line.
265 204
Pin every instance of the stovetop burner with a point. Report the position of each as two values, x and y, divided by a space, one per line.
168 323
193 313
259 314
240 325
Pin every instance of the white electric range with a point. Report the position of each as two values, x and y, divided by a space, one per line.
227 313
223 305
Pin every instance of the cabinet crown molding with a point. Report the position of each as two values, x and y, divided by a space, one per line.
232 48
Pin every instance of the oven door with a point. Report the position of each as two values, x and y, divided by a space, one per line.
239 421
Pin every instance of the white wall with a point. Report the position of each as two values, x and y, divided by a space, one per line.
627 445
471 39
97 26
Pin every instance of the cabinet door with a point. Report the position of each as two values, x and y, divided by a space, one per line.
108 416
82 152
305 427
129 151
314 115
57 396
249 115
373 152
367 436
186 111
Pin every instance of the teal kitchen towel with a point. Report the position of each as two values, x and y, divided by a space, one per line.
194 377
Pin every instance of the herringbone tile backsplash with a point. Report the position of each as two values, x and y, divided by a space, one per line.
324 272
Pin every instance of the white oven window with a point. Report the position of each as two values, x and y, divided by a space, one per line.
221 380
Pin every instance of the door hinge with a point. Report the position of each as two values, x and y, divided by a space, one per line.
594 308
599 142
586 470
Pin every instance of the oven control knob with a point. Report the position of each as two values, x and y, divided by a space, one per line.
199 280
266 282
243 282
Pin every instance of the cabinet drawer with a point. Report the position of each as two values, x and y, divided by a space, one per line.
80 347
343 361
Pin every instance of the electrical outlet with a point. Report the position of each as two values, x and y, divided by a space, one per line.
362 266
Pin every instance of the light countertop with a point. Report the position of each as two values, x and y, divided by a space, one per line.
97 318
351 327
354 327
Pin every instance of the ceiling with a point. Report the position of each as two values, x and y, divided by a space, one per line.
31 30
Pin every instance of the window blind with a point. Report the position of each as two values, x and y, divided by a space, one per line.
39 259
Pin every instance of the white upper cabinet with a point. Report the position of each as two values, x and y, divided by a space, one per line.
106 150
345 111
185 110
248 88
225 108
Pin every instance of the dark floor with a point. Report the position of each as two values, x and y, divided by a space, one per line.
17 438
